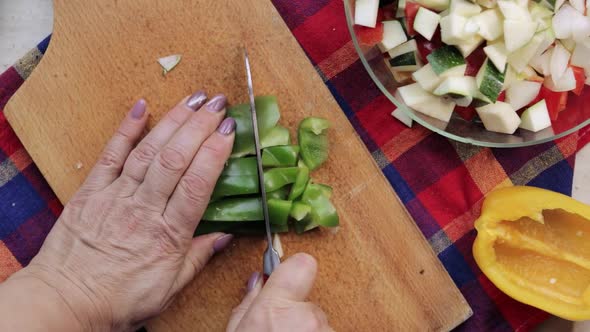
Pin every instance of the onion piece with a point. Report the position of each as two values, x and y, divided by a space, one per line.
169 62
566 83
277 245
559 61
579 5
562 21
581 56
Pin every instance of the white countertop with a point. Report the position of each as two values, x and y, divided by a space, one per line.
24 23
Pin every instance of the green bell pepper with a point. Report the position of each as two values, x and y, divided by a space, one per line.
299 210
300 183
322 212
275 136
280 156
246 228
281 193
278 211
276 178
239 177
267 111
313 141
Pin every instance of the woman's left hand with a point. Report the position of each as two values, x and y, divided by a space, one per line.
124 245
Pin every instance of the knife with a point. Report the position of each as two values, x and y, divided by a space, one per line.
271 257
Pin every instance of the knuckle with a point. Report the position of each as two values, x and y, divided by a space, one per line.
195 187
172 159
197 125
168 239
145 152
109 158
215 149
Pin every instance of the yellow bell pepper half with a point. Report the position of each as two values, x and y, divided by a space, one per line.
534 245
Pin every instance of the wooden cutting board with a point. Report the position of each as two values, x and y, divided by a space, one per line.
377 273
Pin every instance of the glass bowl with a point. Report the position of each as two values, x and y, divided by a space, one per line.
574 117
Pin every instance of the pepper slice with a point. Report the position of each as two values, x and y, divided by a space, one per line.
322 212
275 136
278 211
239 177
281 193
299 210
534 245
241 209
248 227
313 141
267 111
280 156
300 183
276 178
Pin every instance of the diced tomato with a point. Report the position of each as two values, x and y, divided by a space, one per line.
369 36
580 79
467 113
502 96
474 61
411 10
556 101
426 46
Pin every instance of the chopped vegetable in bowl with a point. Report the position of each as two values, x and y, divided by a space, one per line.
506 64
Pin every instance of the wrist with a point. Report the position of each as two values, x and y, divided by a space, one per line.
70 304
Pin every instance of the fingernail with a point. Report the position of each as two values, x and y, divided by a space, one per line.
216 104
253 281
138 110
196 100
222 242
227 126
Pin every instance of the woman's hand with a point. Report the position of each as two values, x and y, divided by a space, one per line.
124 245
280 305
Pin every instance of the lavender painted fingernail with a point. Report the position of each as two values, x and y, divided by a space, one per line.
196 100
138 110
253 281
227 126
222 242
216 104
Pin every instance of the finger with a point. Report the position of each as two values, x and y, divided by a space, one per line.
110 163
192 194
253 288
292 280
174 158
142 156
201 250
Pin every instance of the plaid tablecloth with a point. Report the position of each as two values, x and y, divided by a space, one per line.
441 182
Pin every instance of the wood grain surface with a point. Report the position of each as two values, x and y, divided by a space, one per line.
377 273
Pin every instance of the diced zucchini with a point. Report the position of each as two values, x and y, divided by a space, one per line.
409 46
468 46
445 58
512 11
536 117
521 93
490 80
400 114
457 87
464 101
490 24
403 22
520 58
498 54
401 6
454 71
427 78
452 29
464 8
401 76
438 5
405 62
413 94
499 117
393 35
523 32
426 22
437 107
365 12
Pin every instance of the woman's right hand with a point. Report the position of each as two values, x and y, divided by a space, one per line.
280 305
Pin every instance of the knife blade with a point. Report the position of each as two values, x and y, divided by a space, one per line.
271 258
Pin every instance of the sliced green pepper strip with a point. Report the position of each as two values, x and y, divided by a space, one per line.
326 190
304 225
313 141
235 209
247 228
280 156
300 183
276 178
267 111
281 193
299 210
322 212
239 177
278 211
275 136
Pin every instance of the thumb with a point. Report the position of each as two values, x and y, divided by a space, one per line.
253 289
201 250
292 280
